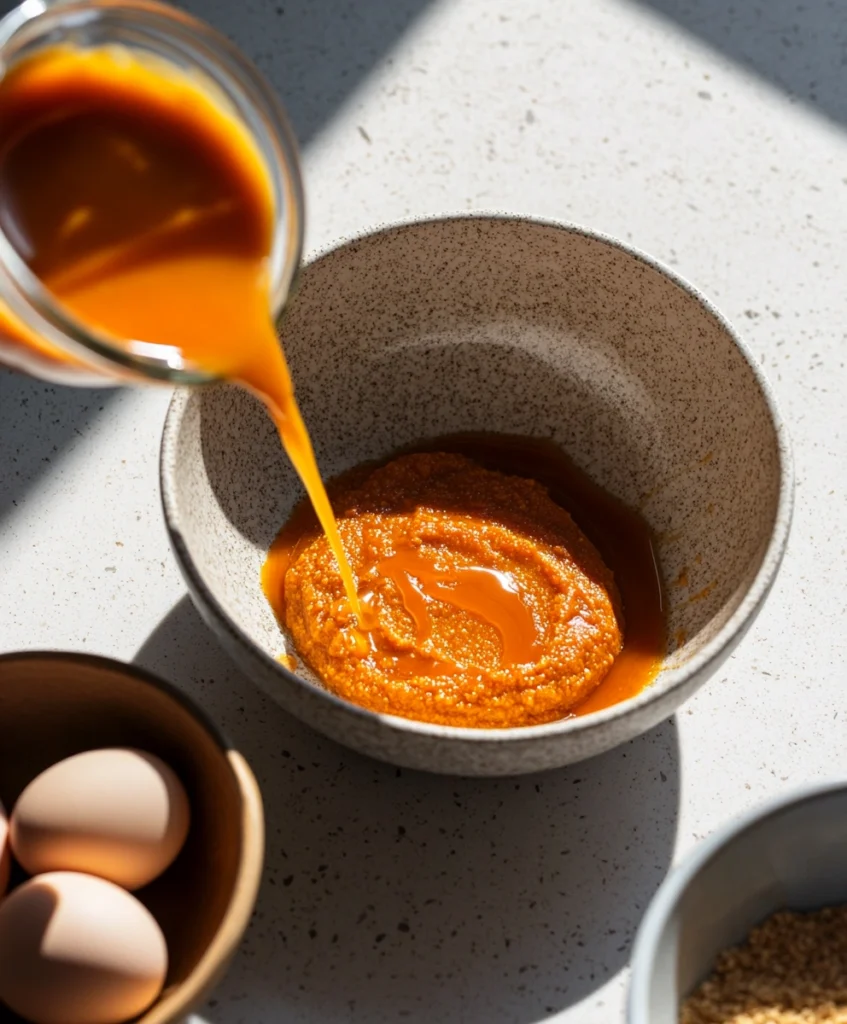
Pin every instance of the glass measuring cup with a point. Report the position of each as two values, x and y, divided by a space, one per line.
37 334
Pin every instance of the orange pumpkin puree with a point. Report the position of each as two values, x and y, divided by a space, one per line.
485 605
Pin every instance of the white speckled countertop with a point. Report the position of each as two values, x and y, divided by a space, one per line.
714 136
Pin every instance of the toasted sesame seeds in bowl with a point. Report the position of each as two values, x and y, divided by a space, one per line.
752 927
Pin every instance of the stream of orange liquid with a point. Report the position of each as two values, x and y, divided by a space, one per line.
147 210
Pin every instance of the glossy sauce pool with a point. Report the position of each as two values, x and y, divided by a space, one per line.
621 536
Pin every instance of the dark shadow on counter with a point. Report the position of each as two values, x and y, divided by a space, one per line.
38 423
799 47
395 895
316 52
313 52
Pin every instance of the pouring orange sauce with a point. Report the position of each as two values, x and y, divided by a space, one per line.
145 207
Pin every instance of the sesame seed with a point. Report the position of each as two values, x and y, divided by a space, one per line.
791 970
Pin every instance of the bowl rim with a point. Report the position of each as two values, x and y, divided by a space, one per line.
668 681
172 1005
670 892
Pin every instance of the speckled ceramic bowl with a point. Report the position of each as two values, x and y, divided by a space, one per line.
789 855
522 327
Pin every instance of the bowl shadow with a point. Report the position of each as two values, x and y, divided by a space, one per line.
392 894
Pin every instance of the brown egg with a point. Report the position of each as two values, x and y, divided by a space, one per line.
117 813
78 948
5 855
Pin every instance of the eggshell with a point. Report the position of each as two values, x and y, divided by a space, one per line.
118 813
5 853
78 948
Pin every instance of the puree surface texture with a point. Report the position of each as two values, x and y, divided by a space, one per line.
423 534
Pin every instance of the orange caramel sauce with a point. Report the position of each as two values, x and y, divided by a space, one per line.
488 594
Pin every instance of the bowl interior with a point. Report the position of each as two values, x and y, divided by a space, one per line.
53 706
792 858
487 324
